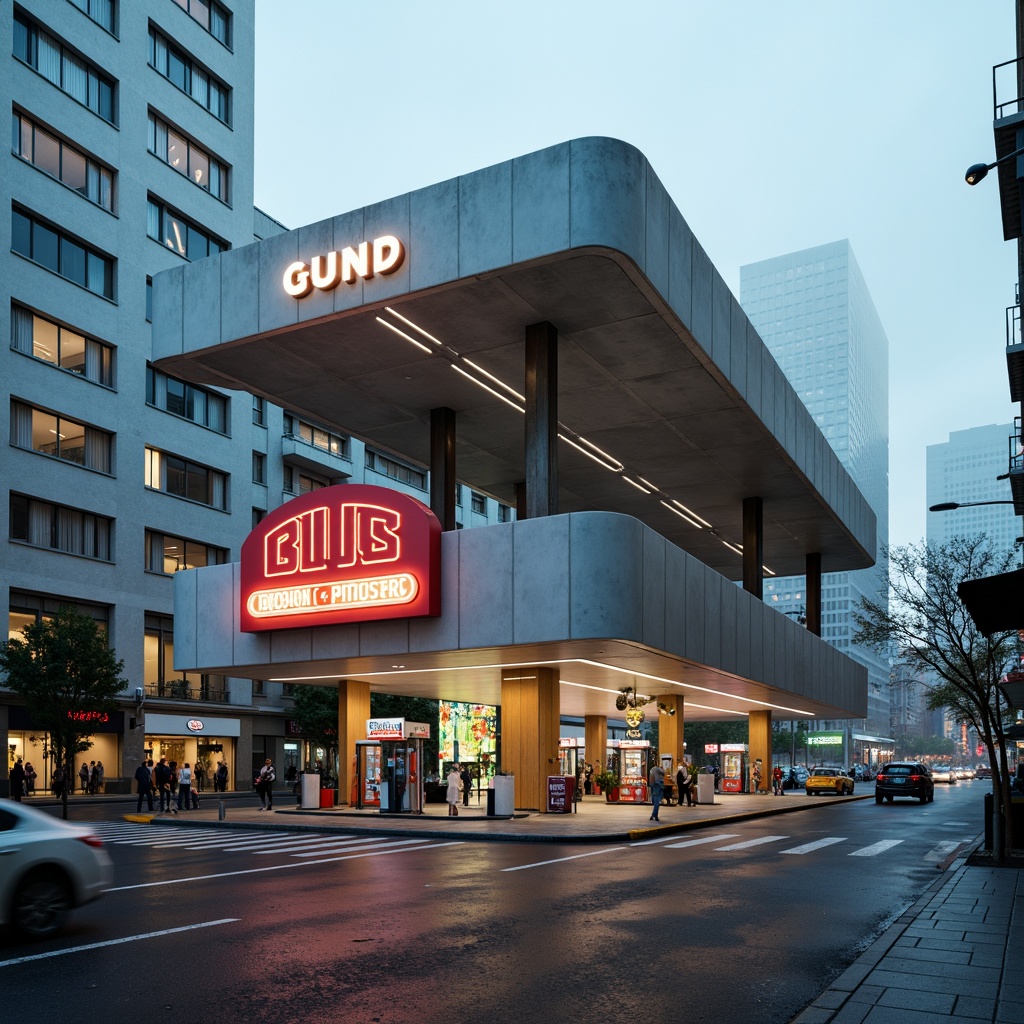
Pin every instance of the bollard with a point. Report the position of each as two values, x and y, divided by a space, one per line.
220 811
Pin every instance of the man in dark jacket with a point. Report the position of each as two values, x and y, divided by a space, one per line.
17 780
162 781
144 786
467 784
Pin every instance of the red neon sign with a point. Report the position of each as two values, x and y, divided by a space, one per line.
348 553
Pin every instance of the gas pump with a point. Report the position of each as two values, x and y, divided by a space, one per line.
400 789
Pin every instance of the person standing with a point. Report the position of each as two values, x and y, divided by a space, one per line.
184 786
656 778
265 785
222 776
99 777
57 782
83 775
683 785
452 793
144 786
466 778
17 780
777 780
162 782
588 779
30 779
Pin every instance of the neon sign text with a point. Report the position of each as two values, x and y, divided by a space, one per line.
384 255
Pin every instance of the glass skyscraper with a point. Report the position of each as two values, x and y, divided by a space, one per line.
816 316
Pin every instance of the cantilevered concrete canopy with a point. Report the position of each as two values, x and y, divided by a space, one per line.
659 368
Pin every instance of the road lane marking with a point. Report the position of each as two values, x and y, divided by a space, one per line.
699 842
651 842
117 942
291 865
818 845
749 843
560 860
876 848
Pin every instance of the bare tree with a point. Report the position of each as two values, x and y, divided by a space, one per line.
928 623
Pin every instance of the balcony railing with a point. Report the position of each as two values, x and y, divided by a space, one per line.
1007 94
181 689
1014 354
1017 467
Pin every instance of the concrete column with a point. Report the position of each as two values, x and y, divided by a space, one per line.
596 735
353 714
813 589
442 466
529 732
541 420
760 734
670 728
753 546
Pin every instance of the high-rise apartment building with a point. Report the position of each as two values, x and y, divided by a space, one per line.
815 314
965 469
131 152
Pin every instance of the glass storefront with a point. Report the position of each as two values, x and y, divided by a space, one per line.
33 747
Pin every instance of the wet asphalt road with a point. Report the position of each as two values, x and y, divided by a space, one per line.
232 926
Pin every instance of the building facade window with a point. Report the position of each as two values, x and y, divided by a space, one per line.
51 248
301 483
189 76
60 437
179 152
34 335
258 515
149 300
336 444
80 79
158 666
100 11
214 17
59 159
179 234
259 411
479 503
43 524
189 480
189 401
27 609
504 513
396 470
167 554
259 468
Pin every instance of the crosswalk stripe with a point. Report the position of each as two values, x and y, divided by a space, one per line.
818 845
316 843
876 848
941 851
750 842
379 845
700 842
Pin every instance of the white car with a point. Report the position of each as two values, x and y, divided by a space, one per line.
47 866
943 773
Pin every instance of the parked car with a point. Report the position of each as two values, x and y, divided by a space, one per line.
46 867
828 780
943 773
904 778
795 777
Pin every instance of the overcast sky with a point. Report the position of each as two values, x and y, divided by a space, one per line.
774 127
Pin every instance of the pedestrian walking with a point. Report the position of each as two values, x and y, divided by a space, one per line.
656 778
467 784
17 780
143 786
265 785
452 793
184 787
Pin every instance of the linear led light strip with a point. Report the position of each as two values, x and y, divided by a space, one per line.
580 443
689 703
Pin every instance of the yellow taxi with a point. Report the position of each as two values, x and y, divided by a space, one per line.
828 780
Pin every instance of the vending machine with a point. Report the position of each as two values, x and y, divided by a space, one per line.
734 768
633 757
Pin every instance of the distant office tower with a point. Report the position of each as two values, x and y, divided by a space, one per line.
815 314
964 469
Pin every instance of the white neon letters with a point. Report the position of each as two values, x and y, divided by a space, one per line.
383 255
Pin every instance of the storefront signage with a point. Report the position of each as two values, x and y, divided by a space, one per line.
383 255
824 739
396 729
194 725
88 716
710 748
734 747
348 553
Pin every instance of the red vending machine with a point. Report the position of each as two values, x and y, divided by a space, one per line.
734 768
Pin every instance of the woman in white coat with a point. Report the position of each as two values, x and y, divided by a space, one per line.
454 789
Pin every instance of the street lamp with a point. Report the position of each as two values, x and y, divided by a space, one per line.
948 506
976 172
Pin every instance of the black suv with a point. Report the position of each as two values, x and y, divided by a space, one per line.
904 778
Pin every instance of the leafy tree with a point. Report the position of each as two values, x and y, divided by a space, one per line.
316 713
412 709
698 734
928 623
68 677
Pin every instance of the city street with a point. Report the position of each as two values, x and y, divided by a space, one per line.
746 922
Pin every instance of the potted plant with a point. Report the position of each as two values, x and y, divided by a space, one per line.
608 782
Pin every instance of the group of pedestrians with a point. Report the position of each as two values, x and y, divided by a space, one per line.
175 786
22 778
656 781
91 776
